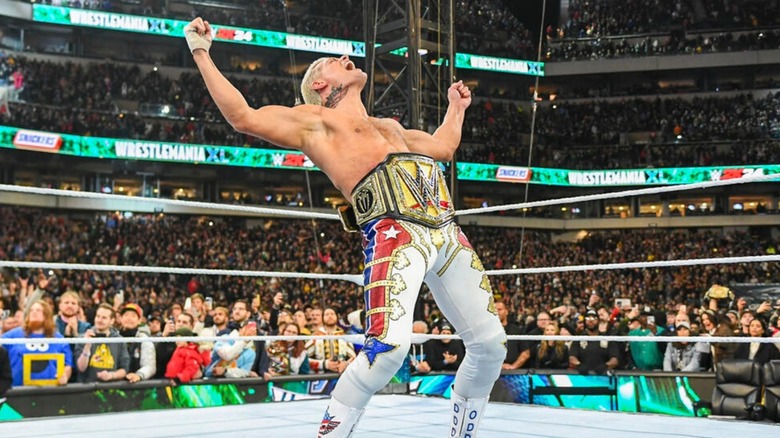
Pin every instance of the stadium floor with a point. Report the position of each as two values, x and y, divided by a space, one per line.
386 416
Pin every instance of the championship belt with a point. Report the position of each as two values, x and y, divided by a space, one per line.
404 186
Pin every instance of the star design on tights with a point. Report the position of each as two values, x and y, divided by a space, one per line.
392 233
374 348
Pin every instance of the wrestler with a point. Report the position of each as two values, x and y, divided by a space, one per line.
401 205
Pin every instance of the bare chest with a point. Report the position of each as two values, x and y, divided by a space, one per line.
376 133
355 147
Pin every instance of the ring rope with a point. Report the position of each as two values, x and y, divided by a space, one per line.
333 216
178 202
416 338
640 265
621 194
358 279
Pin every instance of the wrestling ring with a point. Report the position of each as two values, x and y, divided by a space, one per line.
387 415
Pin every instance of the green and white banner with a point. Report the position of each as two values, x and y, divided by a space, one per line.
257 37
121 149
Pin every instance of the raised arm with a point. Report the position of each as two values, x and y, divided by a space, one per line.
283 126
441 146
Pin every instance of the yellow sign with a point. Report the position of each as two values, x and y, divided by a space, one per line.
28 359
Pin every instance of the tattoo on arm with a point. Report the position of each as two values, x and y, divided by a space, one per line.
336 94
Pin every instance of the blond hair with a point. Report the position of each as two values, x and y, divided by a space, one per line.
73 294
310 95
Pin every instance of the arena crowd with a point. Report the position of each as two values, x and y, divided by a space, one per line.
641 302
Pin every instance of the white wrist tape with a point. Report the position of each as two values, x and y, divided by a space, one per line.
195 40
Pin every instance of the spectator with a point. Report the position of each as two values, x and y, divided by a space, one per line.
12 321
591 357
164 350
37 291
709 322
186 364
605 321
4 314
542 319
552 354
108 362
682 316
67 319
734 317
241 317
287 357
232 357
300 319
143 357
518 353
240 314
68 323
444 354
284 316
39 323
723 350
155 324
315 320
200 312
329 355
682 356
177 310
708 326
645 355
6 377
756 351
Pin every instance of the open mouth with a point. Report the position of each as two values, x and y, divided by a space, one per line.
349 65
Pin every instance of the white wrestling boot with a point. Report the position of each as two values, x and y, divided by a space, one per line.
466 414
339 420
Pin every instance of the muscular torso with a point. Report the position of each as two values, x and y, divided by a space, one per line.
353 146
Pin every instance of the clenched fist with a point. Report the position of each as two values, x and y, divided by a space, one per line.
459 94
198 35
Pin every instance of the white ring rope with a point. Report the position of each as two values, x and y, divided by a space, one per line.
358 279
333 216
417 338
622 194
639 265
196 204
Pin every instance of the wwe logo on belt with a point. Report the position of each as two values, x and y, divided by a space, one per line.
425 190
328 424
364 201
